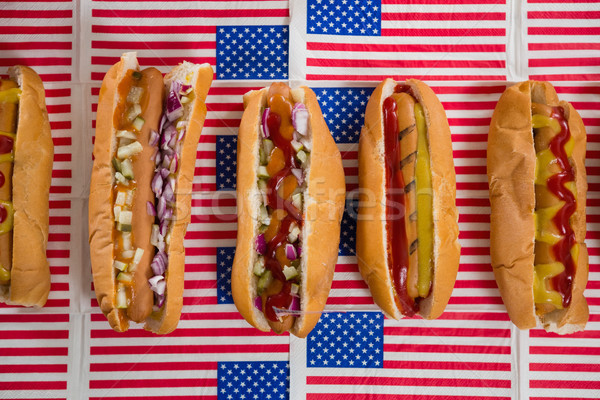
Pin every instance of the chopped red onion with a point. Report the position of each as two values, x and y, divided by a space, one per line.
174 107
258 303
290 252
159 300
174 164
172 183
164 257
306 143
164 122
161 207
162 285
158 266
264 122
297 172
295 306
299 250
260 244
157 183
300 118
167 137
185 89
164 226
168 215
150 209
168 193
157 157
181 135
166 162
154 136
175 86
164 173
154 280
173 140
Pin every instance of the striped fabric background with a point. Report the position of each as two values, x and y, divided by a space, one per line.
465 49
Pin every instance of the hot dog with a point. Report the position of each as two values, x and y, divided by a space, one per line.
147 132
407 230
537 180
290 199
26 156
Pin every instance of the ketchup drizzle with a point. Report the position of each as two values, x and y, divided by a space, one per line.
283 299
563 282
6 144
397 241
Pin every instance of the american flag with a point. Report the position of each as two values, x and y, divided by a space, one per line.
67 350
370 40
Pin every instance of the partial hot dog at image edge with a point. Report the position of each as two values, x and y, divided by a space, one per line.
407 229
536 173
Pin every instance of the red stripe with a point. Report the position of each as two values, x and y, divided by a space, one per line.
37 62
331 300
24 318
221 201
58 93
154 60
214 218
564 384
406 381
58 108
32 368
469 122
171 397
587 334
36 46
407 48
39 385
190 349
343 284
187 13
447 365
587 351
38 14
59 237
473 218
566 77
182 332
562 1
149 29
564 62
475 234
445 348
475 284
35 351
205 316
225 106
443 16
222 123
563 15
142 45
379 396
563 46
469 105
436 32
470 300
556 30
36 30
484 89
55 78
475 316
168 366
211 235
55 125
356 77
453 332
564 367
444 2
475 267
152 383
61 173
471 170
371 63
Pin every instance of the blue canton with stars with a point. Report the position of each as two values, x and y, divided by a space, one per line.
226 160
252 52
260 380
348 229
344 111
344 17
224 263
346 340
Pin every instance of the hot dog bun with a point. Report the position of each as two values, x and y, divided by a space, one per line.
101 201
32 173
324 206
371 234
511 165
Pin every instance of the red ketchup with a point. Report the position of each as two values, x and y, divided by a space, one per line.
283 299
397 241
2 179
3 213
563 282
6 144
